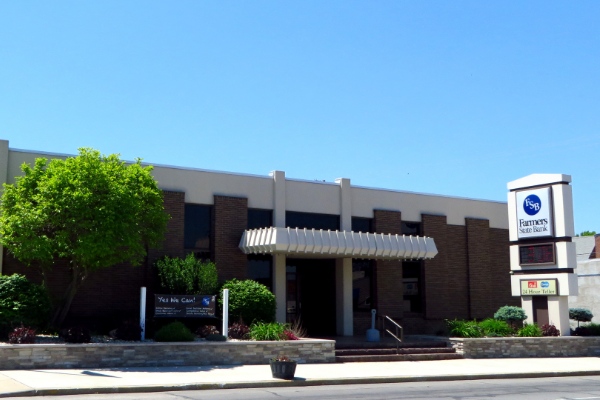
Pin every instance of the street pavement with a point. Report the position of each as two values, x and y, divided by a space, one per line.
47 382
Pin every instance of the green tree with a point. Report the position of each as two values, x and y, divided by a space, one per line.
587 233
92 210
187 275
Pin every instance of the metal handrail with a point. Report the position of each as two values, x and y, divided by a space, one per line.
398 336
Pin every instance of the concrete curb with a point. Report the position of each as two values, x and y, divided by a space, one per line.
297 382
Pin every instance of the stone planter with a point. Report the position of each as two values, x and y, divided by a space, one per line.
515 347
101 355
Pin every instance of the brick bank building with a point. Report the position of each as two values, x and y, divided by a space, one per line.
329 251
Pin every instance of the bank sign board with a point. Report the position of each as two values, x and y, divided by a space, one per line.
534 213
184 306
539 287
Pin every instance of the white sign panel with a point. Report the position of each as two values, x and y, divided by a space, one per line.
534 213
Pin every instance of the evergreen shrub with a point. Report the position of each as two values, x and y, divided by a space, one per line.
174 332
580 315
510 314
249 301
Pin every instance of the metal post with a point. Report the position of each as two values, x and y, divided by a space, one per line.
143 312
225 312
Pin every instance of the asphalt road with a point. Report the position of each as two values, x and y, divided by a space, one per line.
567 388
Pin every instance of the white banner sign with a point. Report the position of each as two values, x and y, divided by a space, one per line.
534 213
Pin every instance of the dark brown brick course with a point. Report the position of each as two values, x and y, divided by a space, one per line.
230 220
388 274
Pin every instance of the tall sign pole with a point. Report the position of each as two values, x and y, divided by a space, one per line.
542 255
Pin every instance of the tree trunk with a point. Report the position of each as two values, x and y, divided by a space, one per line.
61 312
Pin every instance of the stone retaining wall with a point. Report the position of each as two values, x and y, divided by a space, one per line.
102 355
515 347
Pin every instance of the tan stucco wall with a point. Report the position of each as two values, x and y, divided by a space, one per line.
301 195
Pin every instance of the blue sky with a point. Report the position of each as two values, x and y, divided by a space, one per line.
447 97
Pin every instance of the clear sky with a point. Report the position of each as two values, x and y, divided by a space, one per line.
446 97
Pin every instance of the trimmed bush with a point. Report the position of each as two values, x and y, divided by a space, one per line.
530 330
238 330
580 315
267 331
550 330
215 337
187 276
206 330
588 330
510 314
76 335
249 301
129 330
22 335
174 332
22 303
289 335
465 329
494 328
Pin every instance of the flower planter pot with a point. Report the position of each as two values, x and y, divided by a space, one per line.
283 369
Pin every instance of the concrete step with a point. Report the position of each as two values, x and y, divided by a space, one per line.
389 344
398 357
390 351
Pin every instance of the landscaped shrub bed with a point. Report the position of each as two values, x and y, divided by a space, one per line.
505 323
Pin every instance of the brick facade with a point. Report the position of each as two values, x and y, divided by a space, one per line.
230 219
469 278
110 295
388 274
446 280
478 253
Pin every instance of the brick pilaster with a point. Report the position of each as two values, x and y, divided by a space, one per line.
388 274
230 219
446 283
481 285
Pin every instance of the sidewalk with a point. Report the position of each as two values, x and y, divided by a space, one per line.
130 380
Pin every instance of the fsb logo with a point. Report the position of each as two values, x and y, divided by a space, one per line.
532 204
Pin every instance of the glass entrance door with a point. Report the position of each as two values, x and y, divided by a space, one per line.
311 295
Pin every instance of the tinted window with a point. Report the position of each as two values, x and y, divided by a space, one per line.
197 227
411 228
412 281
260 269
362 285
259 218
302 220
362 224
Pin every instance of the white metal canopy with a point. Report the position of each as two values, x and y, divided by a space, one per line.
336 244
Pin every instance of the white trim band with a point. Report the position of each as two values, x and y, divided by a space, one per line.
336 244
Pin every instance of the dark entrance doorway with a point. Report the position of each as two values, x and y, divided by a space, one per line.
311 295
540 310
